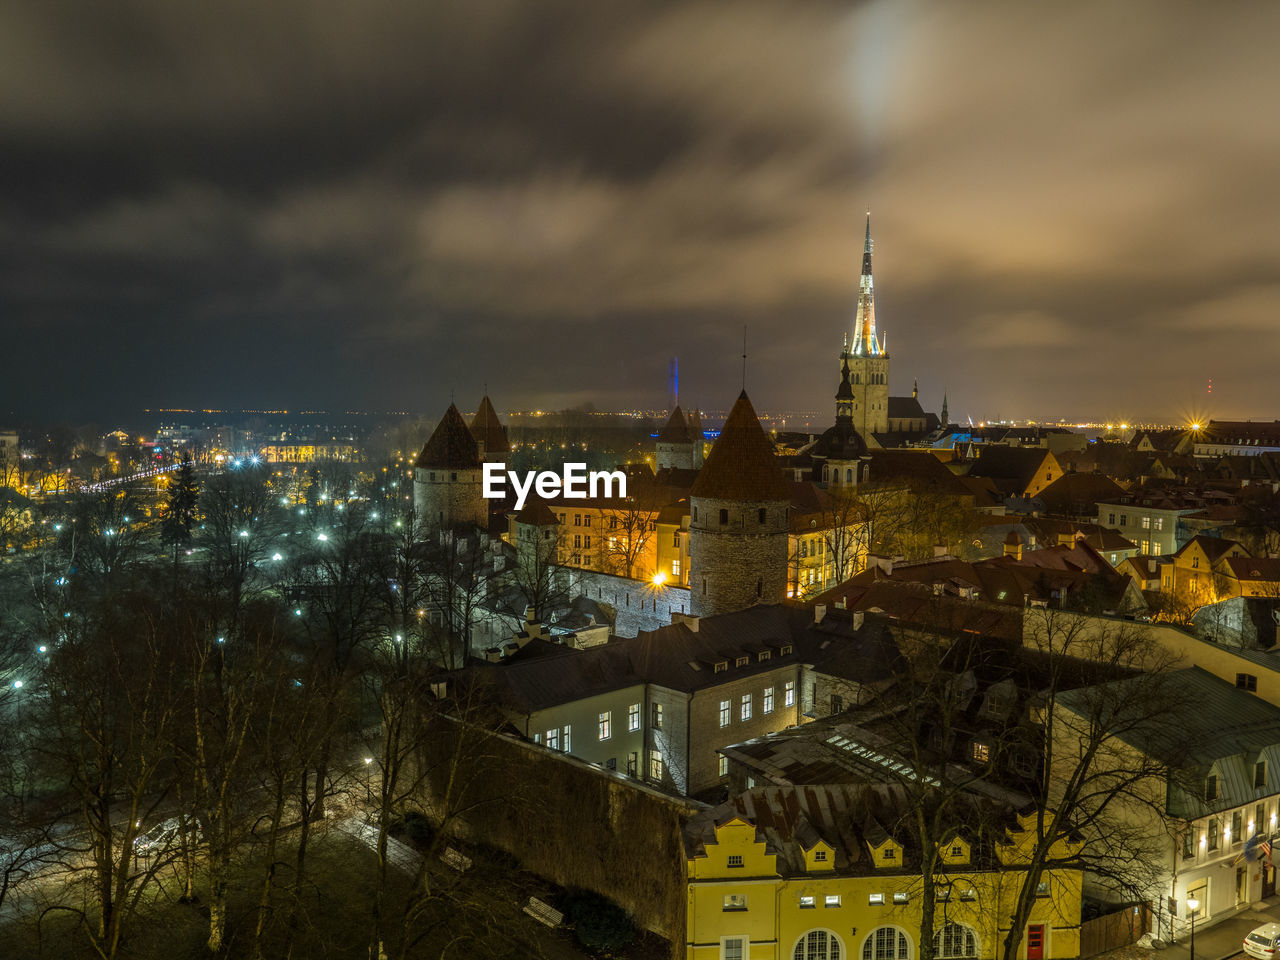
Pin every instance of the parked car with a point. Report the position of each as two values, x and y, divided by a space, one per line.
164 835
1262 942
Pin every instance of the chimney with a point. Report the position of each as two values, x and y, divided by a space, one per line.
858 617
687 619
493 654
819 611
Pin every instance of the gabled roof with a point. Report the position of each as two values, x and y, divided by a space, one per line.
1254 568
1077 494
451 447
905 408
488 429
742 464
1010 467
677 428
1213 547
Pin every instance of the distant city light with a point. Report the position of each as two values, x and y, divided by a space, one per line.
276 556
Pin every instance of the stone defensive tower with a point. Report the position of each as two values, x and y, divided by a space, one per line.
675 443
490 434
447 481
738 520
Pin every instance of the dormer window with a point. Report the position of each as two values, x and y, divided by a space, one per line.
721 666
819 856
1260 773
786 649
889 854
764 655
1211 787
742 661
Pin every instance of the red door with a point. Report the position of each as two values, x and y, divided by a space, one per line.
1035 941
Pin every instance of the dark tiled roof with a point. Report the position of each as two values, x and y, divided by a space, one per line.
919 469
451 447
1003 463
1254 568
488 429
1077 494
536 513
905 408
742 464
677 428
1213 547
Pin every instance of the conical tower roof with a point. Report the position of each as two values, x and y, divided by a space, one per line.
488 429
451 447
742 465
676 430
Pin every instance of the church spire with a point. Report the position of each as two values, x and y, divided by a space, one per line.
865 341
944 409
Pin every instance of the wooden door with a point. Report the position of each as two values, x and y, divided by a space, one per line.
1035 941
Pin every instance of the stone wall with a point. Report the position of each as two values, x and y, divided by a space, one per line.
445 502
741 562
639 604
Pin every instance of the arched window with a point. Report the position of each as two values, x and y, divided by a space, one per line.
955 940
818 945
886 943
848 475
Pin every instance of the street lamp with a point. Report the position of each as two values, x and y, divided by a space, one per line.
1193 905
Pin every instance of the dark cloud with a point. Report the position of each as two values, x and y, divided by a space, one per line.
339 205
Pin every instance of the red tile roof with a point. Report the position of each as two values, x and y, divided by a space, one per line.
742 464
451 447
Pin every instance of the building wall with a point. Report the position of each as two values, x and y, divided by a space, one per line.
1154 531
639 604
774 919
582 717
707 736
449 498
672 740
741 562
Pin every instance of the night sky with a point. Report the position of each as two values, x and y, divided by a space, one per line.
299 203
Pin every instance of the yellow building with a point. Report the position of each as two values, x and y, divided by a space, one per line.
825 873
1199 573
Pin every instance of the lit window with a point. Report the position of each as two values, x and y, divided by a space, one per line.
722 766
767 704
724 713
746 706
655 765
832 900
606 723
789 694
733 948
902 897
955 940
981 752
735 901
633 717
886 943
741 661
657 716
807 902
1042 888
553 738
567 730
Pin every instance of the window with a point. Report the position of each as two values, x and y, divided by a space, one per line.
1042 888
1247 681
606 723
764 655
657 716
1215 833
837 703
633 764
577 519
1195 563
722 766
735 860
724 517
981 752
886 943
733 948
955 940
889 854
969 895
746 706
762 514
735 901
1237 827
807 902
577 541
741 661
942 895
786 649
655 765
832 900
767 705
1124 520
1111 519
586 520
819 856
633 718
789 694
901 897
721 666
537 738
553 738
675 568
1188 843
1260 776
1155 548
1211 787
1158 523
567 731
586 542
1146 523
724 713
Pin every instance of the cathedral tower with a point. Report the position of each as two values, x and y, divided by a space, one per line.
868 359
739 524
